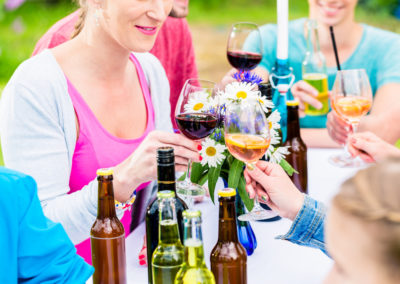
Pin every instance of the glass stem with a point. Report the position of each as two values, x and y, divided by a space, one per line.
354 127
256 203
187 179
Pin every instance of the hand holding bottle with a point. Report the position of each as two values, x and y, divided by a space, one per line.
305 93
141 166
370 147
275 188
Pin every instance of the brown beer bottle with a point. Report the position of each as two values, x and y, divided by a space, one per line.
298 149
228 257
107 236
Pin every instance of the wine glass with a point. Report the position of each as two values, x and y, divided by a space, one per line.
196 116
351 99
244 48
247 138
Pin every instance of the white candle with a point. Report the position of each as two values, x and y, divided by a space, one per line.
283 29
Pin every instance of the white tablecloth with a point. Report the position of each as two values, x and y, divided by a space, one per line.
274 261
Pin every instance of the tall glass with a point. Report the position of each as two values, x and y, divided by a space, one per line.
238 51
351 99
247 138
196 116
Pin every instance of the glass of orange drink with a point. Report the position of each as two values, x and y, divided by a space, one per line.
247 138
351 99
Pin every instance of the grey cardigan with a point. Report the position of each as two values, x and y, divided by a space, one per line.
38 135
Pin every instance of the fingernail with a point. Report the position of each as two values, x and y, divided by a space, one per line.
141 256
199 147
250 167
142 262
264 198
200 158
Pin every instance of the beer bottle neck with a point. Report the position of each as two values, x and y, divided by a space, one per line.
166 176
168 226
193 241
227 230
293 125
106 202
312 38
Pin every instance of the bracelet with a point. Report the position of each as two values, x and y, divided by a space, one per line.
126 205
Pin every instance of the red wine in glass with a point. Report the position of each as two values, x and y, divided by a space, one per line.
196 125
243 60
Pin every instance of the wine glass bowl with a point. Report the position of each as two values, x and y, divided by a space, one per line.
247 138
241 54
351 99
196 116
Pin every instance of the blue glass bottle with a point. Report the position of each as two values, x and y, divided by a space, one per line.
282 77
246 234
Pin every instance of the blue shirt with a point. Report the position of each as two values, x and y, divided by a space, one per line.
33 249
377 53
308 226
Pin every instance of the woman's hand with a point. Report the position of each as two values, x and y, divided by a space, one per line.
274 188
338 129
370 147
141 165
305 93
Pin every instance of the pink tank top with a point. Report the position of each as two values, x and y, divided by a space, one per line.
97 148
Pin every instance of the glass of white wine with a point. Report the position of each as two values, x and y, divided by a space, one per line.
247 138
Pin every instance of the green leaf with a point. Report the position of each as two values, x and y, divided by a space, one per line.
203 179
287 167
213 175
235 172
249 203
182 177
196 172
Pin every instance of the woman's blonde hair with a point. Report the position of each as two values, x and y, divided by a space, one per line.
82 17
373 196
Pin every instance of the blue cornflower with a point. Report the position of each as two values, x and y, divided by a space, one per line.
247 77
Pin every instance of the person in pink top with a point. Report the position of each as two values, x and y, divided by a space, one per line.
98 100
173 47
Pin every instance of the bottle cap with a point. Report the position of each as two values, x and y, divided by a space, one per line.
191 213
227 192
165 155
165 194
292 103
104 172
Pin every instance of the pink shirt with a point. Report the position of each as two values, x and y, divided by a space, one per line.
97 148
173 47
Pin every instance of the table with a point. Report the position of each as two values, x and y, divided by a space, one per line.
274 261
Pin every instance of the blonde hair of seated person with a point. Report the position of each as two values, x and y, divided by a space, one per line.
363 227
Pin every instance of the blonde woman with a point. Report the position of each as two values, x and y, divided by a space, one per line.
92 103
362 230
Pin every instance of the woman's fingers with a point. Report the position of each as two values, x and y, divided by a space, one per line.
337 128
306 93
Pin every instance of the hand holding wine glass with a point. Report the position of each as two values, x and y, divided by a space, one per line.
196 116
351 99
247 138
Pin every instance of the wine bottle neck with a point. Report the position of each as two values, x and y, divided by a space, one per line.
106 202
193 241
293 125
168 226
227 230
166 176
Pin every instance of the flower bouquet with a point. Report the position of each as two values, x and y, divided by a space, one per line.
217 161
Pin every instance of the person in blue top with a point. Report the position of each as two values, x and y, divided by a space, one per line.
34 249
360 46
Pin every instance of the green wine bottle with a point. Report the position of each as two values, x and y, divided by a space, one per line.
168 257
194 269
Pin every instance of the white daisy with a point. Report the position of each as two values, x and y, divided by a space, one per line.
199 102
265 104
273 123
275 156
240 91
212 153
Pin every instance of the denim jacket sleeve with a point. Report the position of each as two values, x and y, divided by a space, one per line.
308 226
